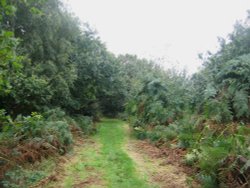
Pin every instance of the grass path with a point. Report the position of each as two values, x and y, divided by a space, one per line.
101 162
111 159
119 168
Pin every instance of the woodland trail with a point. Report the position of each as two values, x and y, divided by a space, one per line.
112 159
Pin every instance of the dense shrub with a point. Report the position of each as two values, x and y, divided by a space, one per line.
159 102
220 152
36 137
86 124
18 176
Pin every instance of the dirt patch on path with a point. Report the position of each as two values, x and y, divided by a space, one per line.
153 166
153 163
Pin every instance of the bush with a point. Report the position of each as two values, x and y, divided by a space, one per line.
28 176
188 136
60 131
216 154
54 114
140 133
36 137
18 177
33 138
212 148
171 132
86 124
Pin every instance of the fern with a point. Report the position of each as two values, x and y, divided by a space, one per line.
241 104
218 110
210 92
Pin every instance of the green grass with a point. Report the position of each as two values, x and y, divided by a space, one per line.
79 171
119 168
103 162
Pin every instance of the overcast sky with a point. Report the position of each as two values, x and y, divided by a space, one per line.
173 31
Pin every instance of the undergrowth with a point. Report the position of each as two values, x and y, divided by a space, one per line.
30 139
219 152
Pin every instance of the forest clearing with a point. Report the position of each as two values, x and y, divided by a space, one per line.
75 114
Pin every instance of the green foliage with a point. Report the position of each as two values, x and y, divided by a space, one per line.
25 177
35 137
240 104
218 110
62 66
211 158
222 87
208 181
159 103
163 133
188 135
140 133
212 151
51 64
10 62
35 126
5 120
54 114
60 130
86 124
19 176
